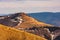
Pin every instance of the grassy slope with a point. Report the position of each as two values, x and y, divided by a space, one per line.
7 33
30 22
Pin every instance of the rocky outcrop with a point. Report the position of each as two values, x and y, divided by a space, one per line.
50 33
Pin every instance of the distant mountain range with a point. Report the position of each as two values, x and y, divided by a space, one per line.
47 17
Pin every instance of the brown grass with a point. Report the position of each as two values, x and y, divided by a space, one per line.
7 33
30 22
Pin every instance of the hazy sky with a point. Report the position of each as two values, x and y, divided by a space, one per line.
28 6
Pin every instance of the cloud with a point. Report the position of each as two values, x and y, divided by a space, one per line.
29 6
37 0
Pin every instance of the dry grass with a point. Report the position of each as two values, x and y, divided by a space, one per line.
7 33
30 22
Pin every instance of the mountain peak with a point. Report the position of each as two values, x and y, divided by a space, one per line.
28 21
20 13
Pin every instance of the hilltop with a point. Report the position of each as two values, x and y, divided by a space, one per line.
29 21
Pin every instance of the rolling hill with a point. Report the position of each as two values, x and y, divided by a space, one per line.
7 33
